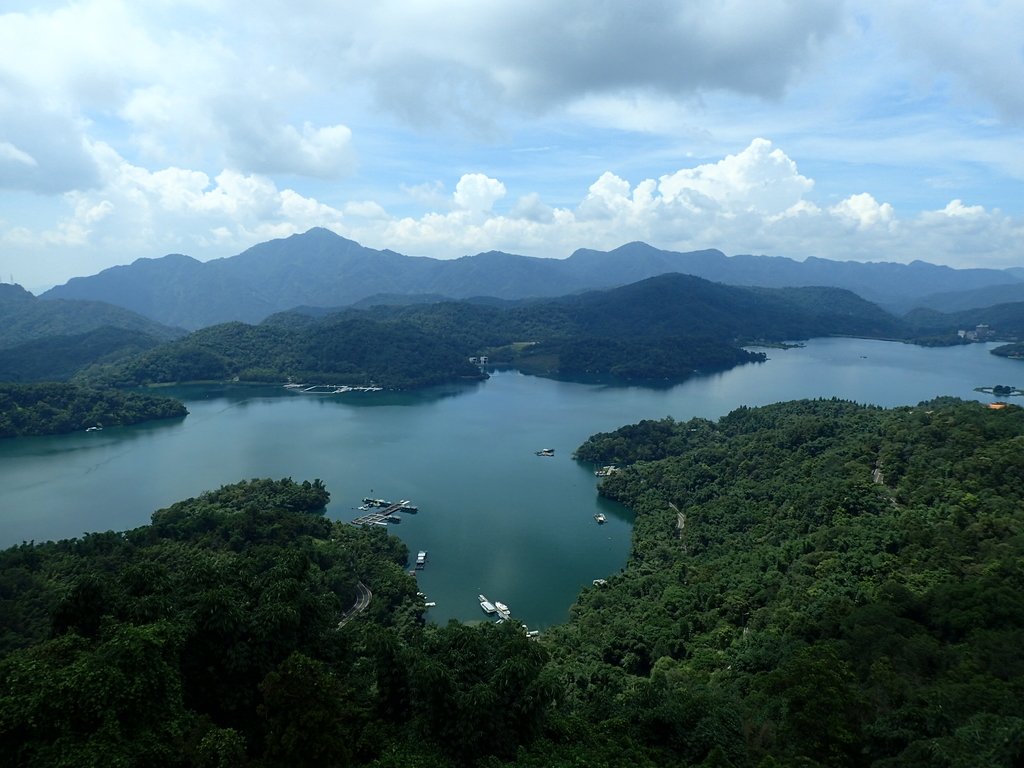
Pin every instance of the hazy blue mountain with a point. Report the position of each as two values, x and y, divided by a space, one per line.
1006 321
975 298
25 318
885 283
322 269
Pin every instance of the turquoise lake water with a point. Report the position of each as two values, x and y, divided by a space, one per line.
495 518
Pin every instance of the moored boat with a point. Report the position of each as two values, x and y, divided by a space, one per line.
487 605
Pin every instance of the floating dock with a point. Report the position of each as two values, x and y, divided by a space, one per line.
383 511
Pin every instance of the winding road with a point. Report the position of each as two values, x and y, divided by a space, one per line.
362 602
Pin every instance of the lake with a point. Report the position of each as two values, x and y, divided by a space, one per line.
494 518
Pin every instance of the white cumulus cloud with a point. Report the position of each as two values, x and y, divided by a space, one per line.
864 211
755 200
477 193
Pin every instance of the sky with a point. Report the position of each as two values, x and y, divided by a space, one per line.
854 130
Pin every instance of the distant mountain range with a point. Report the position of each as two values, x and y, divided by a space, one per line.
322 269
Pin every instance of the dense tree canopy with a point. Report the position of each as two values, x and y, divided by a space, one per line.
843 581
353 351
815 583
53 408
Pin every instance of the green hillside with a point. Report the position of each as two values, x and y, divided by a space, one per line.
354 352
815 584
24 318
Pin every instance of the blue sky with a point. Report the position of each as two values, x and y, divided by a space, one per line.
849 130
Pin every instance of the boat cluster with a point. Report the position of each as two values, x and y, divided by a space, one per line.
395 506
503 613
496 607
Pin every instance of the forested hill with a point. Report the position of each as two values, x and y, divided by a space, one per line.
1004 320
677 304
229 633
353 351
60 357
24 318
52 408
819 583
322 269
666 327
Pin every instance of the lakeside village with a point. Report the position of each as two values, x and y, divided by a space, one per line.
383 513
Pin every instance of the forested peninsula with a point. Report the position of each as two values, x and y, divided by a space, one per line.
815 583
1015 351
55 408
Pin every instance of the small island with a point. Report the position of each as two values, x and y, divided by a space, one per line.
1001 390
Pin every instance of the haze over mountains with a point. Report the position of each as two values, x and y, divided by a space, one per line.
25 318
322 269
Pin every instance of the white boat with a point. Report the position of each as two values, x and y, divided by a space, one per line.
421 558
600 518
501 607
487 605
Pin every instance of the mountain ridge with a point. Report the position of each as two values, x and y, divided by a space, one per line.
321 268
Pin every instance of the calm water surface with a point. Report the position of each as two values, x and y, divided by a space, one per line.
495 519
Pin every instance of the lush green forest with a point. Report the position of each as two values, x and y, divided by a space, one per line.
662 328
60 358
352 351
815 583
214 637
54 408
665 327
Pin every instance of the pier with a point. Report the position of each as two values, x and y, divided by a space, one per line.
382 515
331 389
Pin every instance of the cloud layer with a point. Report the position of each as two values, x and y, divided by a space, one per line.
753 201
454 126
